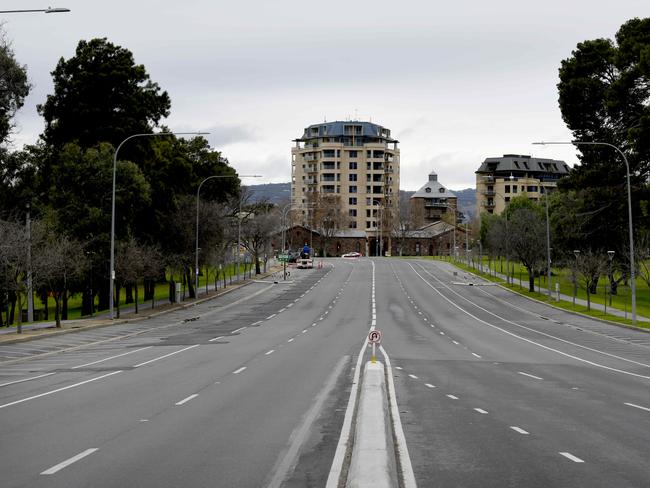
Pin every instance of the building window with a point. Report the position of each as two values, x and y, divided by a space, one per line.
353 189
368 166
353 165
352 201
352 212
514 188
368 154
352 154
507 188
352 177
353 224
531 189
368 224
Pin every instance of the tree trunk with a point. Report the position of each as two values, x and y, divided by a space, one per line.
64 312
85 302
103 294
613 287
117 300
57 307
588 299
257 263
129 293
149 289
190 283
531 281
135 285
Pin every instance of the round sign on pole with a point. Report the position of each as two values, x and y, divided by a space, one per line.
374 336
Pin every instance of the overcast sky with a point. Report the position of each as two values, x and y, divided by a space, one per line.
456 82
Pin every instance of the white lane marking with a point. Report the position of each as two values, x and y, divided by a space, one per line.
429 385
290 305
413 376
27 379
442 333
480 410
408 477
216 339
185 400
256 323
237 371
269 352
271 316
374 323
474 354
638 406
237 330
291 340
530 375
144 420
296 300
68 462
108 359
455 342
452 397
281 310
165 356
519 429
570 456
60 389
512 334
398 367
304 330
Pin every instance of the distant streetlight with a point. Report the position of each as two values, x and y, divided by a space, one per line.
629 209
112 267
196 254
48 10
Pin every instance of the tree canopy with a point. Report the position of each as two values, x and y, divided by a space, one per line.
101 95
14 87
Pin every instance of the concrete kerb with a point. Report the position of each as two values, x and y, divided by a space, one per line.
44 333
373 457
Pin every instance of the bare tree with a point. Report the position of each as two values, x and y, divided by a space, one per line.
327 217
56 262
256 235
527 241
13 266
589 266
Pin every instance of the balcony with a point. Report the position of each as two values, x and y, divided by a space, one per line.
488 204
436 205
489 193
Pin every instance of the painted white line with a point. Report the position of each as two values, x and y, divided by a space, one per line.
68 462
216 339
570 456
281 310
59 389
455 342
480 410
256 323
290 305
237 330
429 385
402 452
452 397
108 359
530 375
374 322
291 340
631 405
297 300
237 371
398 367
304 330
592 363
413 376
271 316
269 352
165 356
185 400
474 354
519 429
442 333
27 379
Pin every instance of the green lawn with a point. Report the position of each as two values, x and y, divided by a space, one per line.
161 295
620 301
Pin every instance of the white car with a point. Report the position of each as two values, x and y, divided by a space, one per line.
352 255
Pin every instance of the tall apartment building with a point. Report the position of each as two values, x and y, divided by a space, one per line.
499 179
356 165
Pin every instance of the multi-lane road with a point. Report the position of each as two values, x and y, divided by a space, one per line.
251 389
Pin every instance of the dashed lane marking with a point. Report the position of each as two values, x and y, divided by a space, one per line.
452 397
269 352
474 354
185 400
519 430
480 410
68 462
237 371
271 316
216 339
291 340
570 456
165 356
429 385
631 405
413 376
238 330
27 379
530 375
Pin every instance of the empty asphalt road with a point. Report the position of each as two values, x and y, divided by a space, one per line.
251 389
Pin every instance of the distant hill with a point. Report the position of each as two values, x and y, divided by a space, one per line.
278 193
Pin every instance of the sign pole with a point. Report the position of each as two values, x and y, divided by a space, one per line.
373 358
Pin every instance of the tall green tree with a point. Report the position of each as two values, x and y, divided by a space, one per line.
101 95
14 87
604 96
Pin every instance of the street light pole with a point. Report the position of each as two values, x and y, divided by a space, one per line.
629 209
111 278
48 10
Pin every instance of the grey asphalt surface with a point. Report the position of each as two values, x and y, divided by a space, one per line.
250 389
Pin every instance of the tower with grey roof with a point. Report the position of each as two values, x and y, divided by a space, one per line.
432 203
